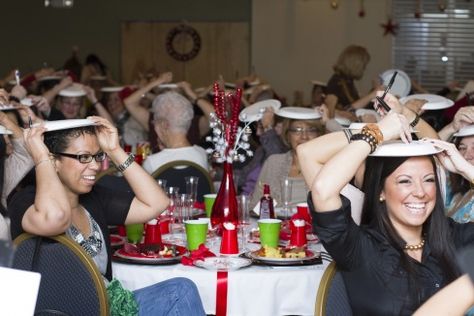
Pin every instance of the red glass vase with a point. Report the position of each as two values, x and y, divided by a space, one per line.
225 206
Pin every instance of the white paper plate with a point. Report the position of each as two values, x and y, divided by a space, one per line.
46 78
400 149
401 86
111 89
343 121
318 83
223 263
74 90
65 124
4 130
465 131
7 107
298 113
27 101
254 112
435 102
168 86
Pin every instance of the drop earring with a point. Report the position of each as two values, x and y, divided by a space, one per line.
381 199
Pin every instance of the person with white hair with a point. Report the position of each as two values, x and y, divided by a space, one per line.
172 116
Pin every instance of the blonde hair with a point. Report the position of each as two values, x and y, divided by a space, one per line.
352 62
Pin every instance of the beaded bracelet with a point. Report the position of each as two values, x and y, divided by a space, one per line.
415 120
124 165
374 130
369 139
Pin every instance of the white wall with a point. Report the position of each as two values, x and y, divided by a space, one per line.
295 41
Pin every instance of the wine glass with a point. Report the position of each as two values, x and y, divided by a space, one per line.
244 220
191 187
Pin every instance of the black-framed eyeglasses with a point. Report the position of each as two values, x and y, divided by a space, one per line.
85 158
301 130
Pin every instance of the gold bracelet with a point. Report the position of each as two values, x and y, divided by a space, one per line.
41 161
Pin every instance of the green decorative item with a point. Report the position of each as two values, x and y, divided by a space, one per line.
121 301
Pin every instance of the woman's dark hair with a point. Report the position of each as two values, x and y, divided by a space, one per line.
458 183
3 153
93 59
436 230
58 141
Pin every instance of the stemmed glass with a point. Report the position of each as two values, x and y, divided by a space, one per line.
244 221
286 190
172 193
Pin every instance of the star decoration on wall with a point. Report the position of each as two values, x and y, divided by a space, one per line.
390 27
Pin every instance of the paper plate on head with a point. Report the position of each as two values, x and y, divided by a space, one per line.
298 113
73 91
111 89
5 131
343 121
168 86
465 131
254 111
401 86
318 83
401 149
47 78
65 124
435 102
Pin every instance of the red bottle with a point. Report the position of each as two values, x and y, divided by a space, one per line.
225 206
266 204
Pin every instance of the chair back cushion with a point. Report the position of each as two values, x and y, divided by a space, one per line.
337 301
67 286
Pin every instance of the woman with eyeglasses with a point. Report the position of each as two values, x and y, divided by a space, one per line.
65 200
295 131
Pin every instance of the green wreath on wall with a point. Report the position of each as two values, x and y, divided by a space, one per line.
177 39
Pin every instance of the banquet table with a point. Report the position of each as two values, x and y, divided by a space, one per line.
255 290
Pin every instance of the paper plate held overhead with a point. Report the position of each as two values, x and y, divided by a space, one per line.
401 86
435 102
254 111
343 121
298 113
111 89
65 124
73 91
168 86
465 131
401 149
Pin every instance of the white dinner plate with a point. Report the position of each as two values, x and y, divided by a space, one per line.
65 124
298 113
435 102
4 130
254 111
223 263
343 121
401 149
168 86
465 131
74 90
111 89
401 86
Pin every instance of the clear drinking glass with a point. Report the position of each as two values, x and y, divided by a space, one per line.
162 183
286 190
191 187
172 193
244 219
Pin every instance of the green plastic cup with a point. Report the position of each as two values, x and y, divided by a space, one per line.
269 232
209 200
196 232
134 233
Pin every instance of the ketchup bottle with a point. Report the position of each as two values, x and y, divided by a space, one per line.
266 204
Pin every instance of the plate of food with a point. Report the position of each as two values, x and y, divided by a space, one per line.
155 254
223 263
284 256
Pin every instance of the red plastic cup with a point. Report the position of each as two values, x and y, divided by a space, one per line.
164 225
152 233
122 231
298 236
303 210
229 243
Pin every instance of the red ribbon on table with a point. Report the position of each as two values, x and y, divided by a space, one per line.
221 293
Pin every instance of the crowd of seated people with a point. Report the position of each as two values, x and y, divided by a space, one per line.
416 214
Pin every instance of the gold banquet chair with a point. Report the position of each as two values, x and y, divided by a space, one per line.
71 283
332 299
175 171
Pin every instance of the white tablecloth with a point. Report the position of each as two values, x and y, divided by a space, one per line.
256 290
